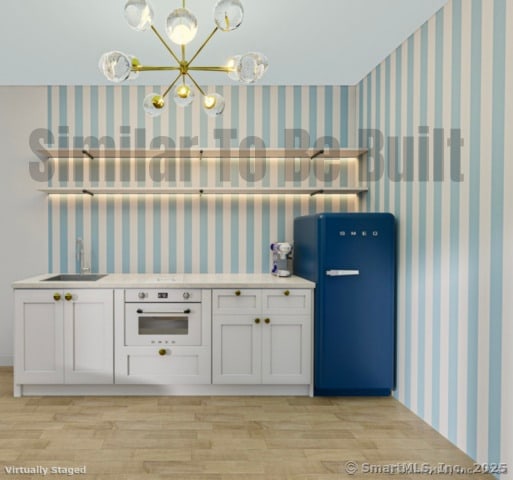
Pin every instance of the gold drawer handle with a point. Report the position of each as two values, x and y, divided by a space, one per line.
68 297
237 293
56 296
267 320
162 352
257 321
286 293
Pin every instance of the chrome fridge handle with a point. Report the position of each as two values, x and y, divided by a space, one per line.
342 273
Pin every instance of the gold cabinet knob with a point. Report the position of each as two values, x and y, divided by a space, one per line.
237 293
286 293
267 320
257 320
68 297
162 352
56 296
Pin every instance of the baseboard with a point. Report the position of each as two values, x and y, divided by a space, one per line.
188 390
6 361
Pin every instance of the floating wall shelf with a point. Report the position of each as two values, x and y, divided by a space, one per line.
312 191
214 153
311 153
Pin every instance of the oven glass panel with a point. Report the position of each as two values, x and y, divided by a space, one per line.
163 325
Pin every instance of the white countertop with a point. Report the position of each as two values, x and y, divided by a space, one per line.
168 280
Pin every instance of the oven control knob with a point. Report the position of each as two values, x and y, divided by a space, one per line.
142 295
186 295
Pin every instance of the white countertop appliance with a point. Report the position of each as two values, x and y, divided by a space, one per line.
281 254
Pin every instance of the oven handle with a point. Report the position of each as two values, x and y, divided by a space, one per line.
163 314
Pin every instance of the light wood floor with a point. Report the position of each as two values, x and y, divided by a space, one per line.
215 438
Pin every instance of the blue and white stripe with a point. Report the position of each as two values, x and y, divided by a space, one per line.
455 238
154 233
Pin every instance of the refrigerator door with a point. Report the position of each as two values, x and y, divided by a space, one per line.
355 311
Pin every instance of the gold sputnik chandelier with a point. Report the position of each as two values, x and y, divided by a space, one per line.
181 28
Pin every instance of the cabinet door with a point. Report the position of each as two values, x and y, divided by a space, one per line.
286 350
39 353
236 349
89 337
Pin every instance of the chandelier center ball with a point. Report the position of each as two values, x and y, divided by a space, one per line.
184 67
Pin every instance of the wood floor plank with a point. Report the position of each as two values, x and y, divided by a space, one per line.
218 438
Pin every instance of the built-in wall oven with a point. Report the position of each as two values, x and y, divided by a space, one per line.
163 317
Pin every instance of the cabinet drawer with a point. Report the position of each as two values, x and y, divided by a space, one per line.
236 301
287 301
180 365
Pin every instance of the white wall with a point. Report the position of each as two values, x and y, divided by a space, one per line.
23 210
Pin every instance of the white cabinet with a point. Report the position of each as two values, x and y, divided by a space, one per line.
75 341
262 336
236 349
286 350
64 337
39 337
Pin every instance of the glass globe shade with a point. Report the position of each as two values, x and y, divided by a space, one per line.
138 14
116 66
213 104
183 95
154 104
252 67
228 14
182 26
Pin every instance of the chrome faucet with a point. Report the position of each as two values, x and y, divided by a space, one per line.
79 247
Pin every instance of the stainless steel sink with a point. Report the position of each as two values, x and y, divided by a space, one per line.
76 277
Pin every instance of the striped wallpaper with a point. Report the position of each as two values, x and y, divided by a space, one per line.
454 315
176 233
454 235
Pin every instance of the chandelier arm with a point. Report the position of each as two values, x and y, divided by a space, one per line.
153 69
168 89
168 48
183 52
212 69
203 45
196 85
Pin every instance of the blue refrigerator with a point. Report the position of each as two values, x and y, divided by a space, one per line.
352 259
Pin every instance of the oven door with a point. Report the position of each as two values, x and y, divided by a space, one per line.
163 324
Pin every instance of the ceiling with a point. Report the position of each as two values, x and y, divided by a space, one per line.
314 42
